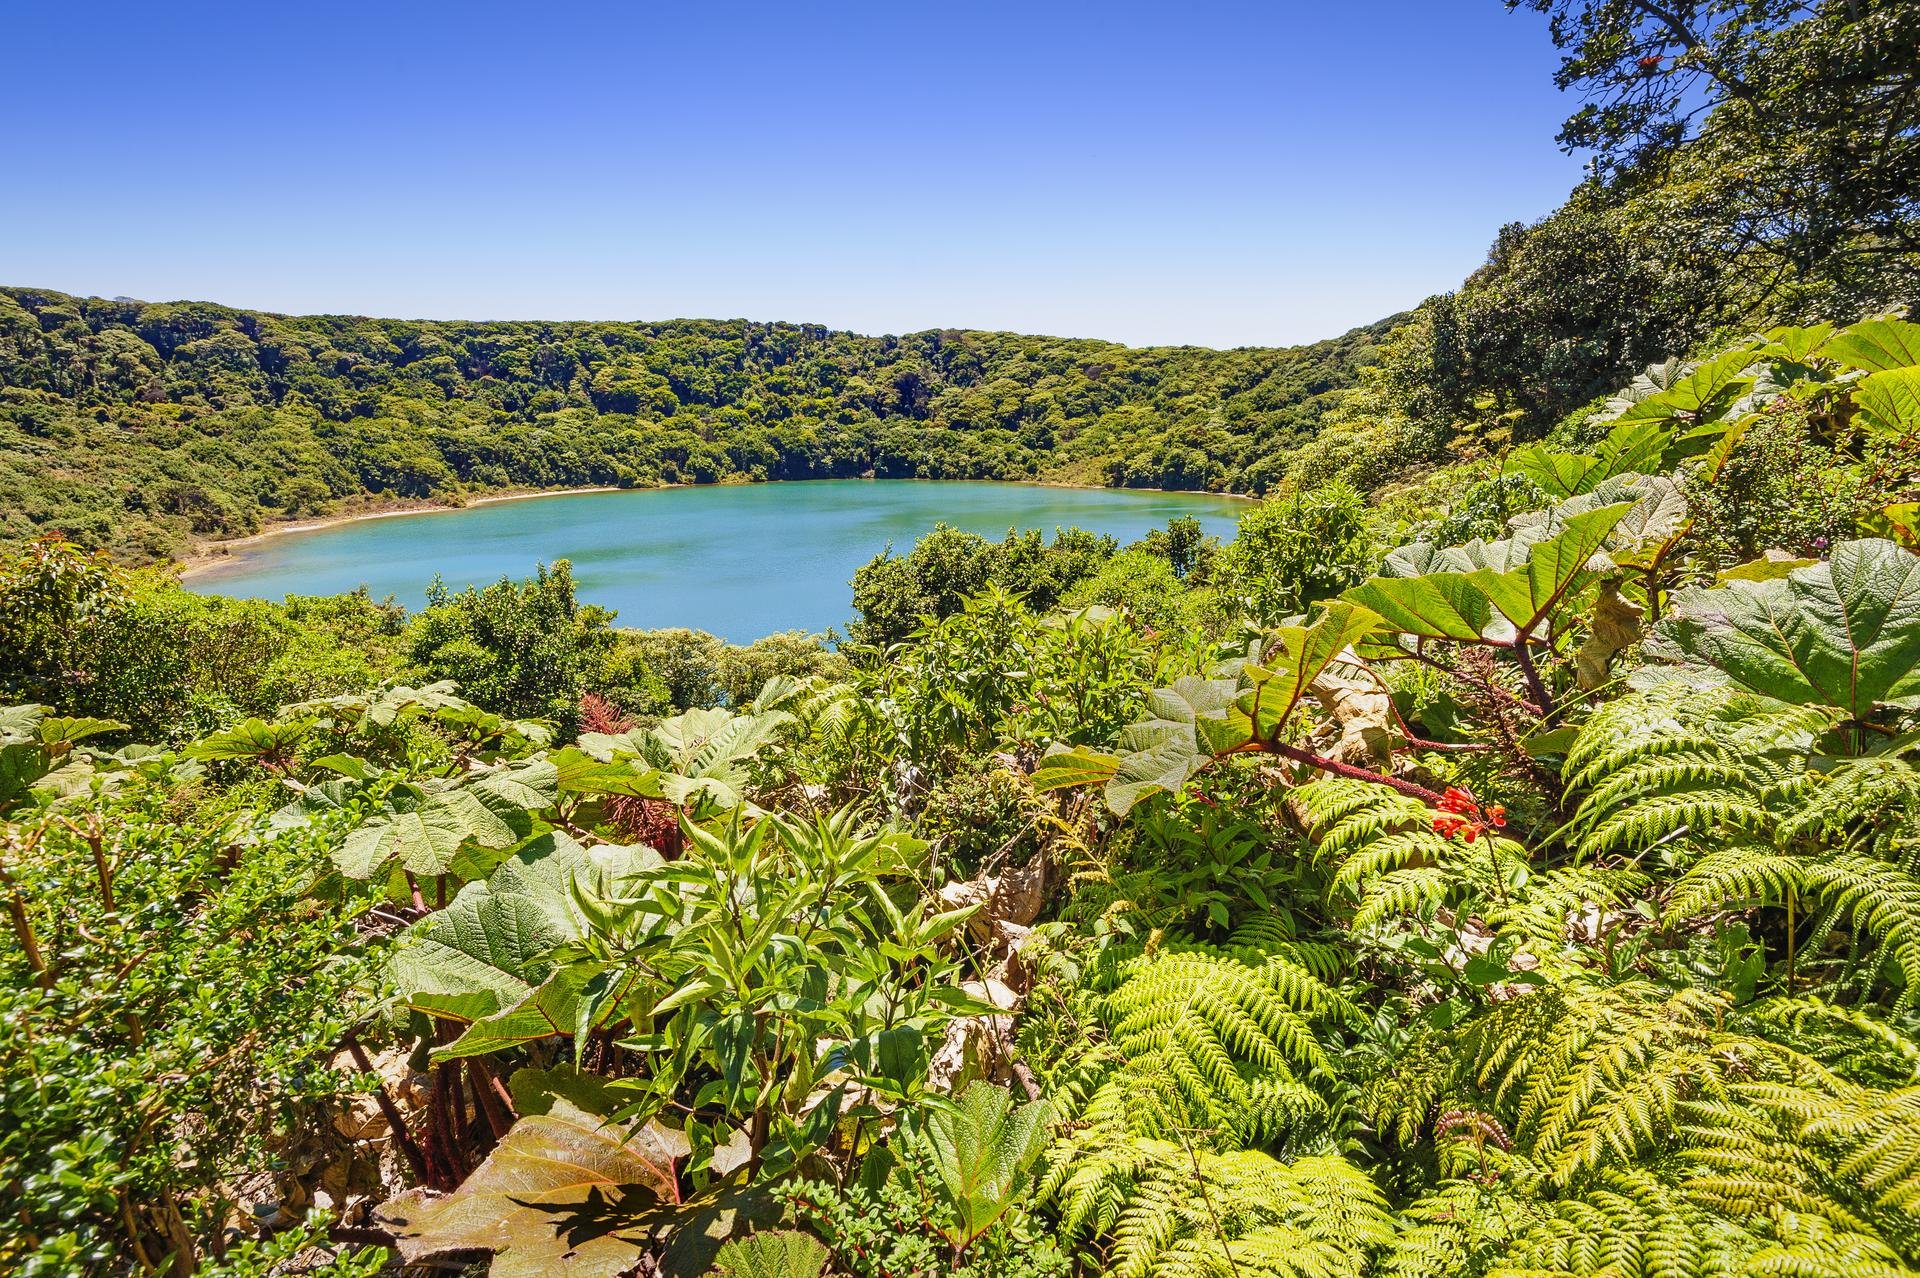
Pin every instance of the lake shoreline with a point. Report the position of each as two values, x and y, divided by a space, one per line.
217 553
210 555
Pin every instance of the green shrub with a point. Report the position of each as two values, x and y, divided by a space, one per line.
172 997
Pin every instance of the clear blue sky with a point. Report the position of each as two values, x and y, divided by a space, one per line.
1215 173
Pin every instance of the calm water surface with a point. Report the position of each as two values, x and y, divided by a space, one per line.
739 561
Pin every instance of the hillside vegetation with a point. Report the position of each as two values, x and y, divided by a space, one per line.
1501 859
137 428
1529 891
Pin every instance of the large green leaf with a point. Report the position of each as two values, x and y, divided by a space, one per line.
1844 633
1437 605
711 743
774 1253
579 772
426 837
1696 397
1628 448
1876 345
1528 594
22 763
21 723
253 739
1061 769
1197 720
1558 473
983 1152
1797 345
426 831
1889 402
24 757
1293 656
524 787
699 752
1488 605
559 1195
486 951
63 730
554 1009
1658 518
1177 739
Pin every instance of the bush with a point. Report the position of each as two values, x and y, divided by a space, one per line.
91 639
523 649
1142 584
172 996
1780 490
1294 551
892 595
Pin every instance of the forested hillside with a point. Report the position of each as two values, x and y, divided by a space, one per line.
138 427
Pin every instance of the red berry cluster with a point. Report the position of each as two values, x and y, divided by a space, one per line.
1460 815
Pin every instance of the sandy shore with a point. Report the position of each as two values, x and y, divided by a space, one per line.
213 554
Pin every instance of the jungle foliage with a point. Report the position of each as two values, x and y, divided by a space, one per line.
1521 887
1500 860
1756 163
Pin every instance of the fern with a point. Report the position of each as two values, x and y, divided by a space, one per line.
1853 1042
1756 819
1389 861
1631 1223
1656 1134
1877 1137
1678 761
1171 1211
1864 804
1543 912
1212 1038
1882 900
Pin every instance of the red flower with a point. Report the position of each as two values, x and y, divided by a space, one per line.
1464 817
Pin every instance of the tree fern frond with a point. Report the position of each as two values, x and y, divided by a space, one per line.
1656 814
1543 913
1881 899
1221 1039
1457 1229
1171 1210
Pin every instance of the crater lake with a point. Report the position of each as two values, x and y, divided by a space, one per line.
740 561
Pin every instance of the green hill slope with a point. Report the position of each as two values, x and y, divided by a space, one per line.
139 427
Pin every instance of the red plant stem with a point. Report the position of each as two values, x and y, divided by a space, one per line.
391 1112
1531 674
1447 747
487 1099
1339 769
1493 689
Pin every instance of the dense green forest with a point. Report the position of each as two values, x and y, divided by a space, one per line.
1500 859
138 428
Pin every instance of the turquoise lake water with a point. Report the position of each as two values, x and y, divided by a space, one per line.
739 561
